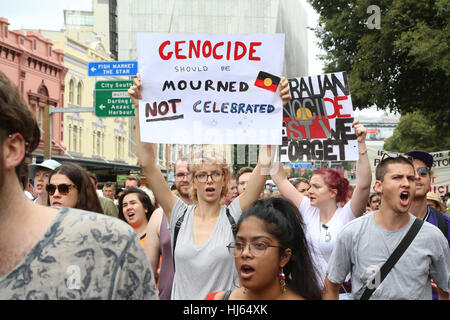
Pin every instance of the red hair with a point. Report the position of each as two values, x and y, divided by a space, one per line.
334 180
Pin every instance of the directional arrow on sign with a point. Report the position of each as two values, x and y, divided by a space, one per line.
93 69
102 106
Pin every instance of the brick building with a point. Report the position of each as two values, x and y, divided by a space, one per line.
38 71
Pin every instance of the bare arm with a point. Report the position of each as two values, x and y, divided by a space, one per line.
258 177
152 244
330 290
287 190
147 158
364 174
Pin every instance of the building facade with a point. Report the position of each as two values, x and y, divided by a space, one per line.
37 68
100 144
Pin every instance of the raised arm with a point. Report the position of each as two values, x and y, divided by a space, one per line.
287 190
258 177
147 158
364 174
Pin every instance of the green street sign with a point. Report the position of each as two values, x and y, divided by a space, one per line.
112 99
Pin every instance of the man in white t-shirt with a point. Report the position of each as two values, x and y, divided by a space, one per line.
364 244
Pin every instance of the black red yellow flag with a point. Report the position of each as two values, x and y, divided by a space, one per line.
267 81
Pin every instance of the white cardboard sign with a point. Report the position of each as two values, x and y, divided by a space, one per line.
210 88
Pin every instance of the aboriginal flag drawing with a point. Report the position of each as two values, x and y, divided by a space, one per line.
267 81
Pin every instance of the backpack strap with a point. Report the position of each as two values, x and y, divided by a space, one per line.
175 236
442 223
232 222
395 256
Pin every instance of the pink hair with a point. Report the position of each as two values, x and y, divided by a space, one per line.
334 180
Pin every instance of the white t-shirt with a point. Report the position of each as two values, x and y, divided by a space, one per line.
321 238
363 247
200 270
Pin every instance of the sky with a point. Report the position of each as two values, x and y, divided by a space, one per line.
48 15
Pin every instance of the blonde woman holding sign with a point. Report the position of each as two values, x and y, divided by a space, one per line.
202 262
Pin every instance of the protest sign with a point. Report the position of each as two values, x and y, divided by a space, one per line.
210 88
318 120
440 173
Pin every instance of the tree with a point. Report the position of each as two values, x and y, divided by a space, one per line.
415 131
403 66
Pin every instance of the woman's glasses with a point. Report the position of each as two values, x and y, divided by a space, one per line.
63 188
203 177
257 249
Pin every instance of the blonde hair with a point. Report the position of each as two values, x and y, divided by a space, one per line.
211 156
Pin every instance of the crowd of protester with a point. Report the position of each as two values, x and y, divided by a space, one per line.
216 234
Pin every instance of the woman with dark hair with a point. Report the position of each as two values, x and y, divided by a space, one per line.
330 203
135 208
70 186
271 255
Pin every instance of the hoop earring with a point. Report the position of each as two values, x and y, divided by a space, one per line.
282 277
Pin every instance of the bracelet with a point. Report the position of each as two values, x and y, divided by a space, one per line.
363 152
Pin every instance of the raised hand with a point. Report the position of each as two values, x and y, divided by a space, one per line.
135 90
285 93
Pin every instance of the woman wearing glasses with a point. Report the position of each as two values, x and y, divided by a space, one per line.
271 255
202 263
330 203
70 186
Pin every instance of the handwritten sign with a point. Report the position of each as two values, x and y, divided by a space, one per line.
318 120
211 88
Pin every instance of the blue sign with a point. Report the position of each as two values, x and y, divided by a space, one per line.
112 68
301 165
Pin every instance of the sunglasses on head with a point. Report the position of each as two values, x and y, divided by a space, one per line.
391 155
63 188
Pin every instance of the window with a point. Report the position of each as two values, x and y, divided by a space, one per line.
79 90
74 138
98 142
71 89
6 31
34 44
40 117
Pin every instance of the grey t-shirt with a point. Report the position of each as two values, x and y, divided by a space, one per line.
363 246
200 270
83 255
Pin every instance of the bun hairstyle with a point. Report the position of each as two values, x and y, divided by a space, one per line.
282 221
335 180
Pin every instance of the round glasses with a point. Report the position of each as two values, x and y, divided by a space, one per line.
63 188
203 177
181 176
257 249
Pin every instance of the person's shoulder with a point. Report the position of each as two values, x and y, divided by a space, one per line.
77 218
355 225
432 229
